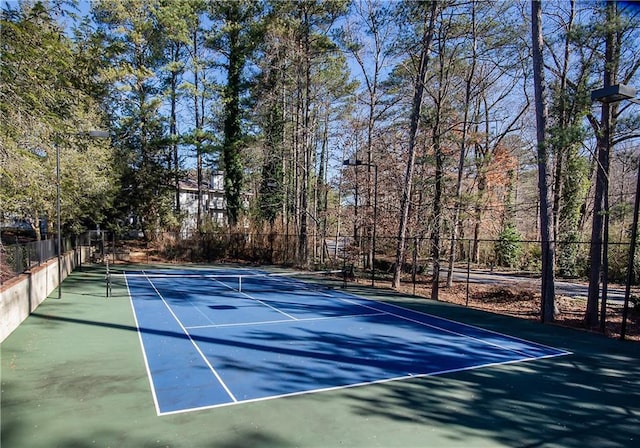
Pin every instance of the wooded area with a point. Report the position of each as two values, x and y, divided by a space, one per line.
431 101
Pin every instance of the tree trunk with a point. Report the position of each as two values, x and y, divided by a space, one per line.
477 212
437 219
173 127
303 237
416 109
198 121
596 246
455 225
603 137
544 169
232 119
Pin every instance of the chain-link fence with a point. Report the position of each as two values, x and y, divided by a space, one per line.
518 256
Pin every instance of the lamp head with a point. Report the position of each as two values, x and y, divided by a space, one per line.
614 93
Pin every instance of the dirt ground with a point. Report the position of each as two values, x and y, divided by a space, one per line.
524 303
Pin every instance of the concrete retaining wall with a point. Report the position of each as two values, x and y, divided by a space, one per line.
21 295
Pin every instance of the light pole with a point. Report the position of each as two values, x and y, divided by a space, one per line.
90 134
58 234
357 162
614 94
632 253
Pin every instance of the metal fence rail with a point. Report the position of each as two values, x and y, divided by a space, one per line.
331 251
20 257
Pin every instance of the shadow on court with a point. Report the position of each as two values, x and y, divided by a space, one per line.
73 376
560 403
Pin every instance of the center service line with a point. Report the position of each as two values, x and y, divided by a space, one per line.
204 358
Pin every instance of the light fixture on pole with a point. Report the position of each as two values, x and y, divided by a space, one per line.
357 162
614 94
90 134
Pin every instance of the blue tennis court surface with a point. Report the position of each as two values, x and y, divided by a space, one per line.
211 341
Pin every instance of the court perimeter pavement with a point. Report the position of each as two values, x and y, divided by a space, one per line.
72 375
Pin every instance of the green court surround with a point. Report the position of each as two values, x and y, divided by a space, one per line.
72 375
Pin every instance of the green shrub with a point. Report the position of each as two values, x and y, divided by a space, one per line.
508 248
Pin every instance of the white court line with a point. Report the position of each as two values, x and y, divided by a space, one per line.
267 322
144 352
475 327
256 299
366 383
204 358
289 279
564 352
374 302
439 328
196 307
445 330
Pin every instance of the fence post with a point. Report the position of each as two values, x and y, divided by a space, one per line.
17 261
468 270
414 270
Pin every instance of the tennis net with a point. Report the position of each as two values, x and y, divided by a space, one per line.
242 282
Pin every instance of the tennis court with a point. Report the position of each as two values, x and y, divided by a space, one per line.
220 337
75 373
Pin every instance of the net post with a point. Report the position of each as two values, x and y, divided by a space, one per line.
108 278
239 283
